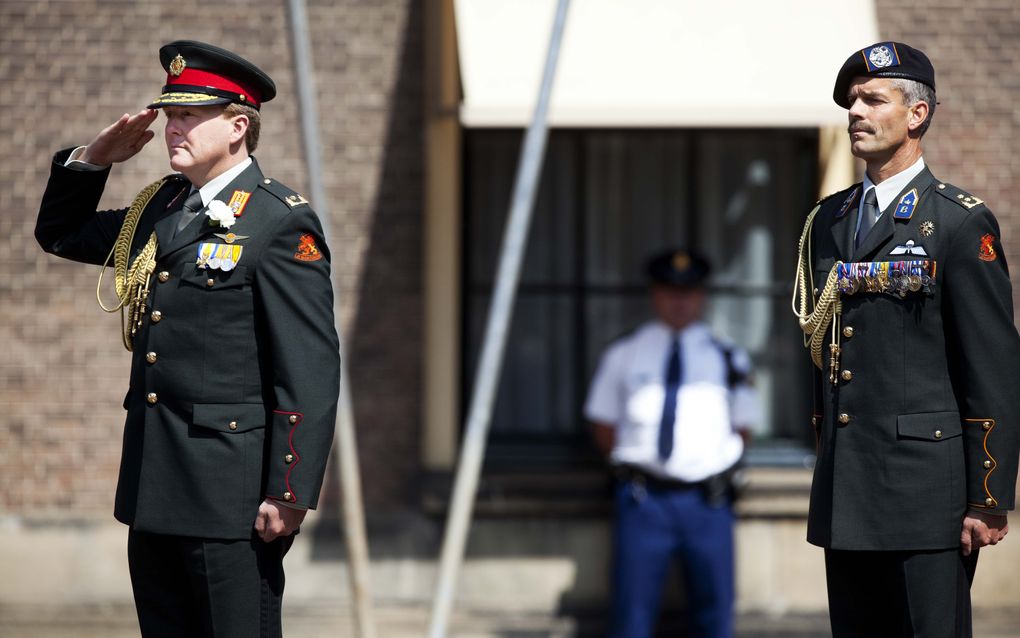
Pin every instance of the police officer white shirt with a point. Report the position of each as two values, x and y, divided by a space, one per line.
629 389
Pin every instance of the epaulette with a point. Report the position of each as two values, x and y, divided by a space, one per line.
282 193
960 197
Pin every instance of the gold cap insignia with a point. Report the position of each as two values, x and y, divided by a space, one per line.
681 261
177 65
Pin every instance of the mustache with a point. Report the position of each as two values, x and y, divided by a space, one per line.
859 128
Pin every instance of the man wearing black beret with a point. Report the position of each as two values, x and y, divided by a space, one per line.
905 297
222 276
672 406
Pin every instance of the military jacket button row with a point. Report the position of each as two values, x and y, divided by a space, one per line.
151 357
157 316
848 331
844 418
152 397
847 375
163 276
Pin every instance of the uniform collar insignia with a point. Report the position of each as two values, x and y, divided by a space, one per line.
849 200
905 207
909 248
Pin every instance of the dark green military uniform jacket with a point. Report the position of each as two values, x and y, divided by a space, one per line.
921 422
234 373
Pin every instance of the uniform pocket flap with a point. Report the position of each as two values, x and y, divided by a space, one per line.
929 426
214 279
229 417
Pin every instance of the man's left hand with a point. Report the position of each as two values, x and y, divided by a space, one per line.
980 529
274 520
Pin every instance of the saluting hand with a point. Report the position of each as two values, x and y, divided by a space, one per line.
275 520
121 140
980 529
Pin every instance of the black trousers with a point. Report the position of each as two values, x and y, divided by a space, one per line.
202 588
900 594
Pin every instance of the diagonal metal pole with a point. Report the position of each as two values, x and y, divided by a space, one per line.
486 379
353 518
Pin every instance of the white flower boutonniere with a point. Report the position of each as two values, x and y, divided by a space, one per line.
220 214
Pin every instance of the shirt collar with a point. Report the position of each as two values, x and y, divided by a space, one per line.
694 330
890 188
218 183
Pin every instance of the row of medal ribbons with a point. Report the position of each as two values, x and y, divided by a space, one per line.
218 256
890 277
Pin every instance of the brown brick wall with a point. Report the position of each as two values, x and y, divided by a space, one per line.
68 68
975 48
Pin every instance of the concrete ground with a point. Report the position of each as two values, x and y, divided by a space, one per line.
322 621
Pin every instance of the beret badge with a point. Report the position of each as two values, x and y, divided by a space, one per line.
177 65
681 261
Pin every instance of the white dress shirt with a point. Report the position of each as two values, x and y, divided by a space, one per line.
628 392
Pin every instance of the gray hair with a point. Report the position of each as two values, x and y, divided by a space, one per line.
914 92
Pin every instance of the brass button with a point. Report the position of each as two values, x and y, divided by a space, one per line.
164 276
267 181
293 419
847 375
987 425
288 459
989 501
241 97
814 420
151 398
151 357
287 496
848 331
210 282
987 464
942 187
844 418
938 434
157 316
816 292
232 425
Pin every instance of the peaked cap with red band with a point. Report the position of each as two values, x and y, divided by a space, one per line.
199 74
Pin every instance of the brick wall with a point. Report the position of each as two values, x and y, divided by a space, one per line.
975 48
70 67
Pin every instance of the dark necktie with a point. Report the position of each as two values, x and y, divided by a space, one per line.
192 205
674 374
869 214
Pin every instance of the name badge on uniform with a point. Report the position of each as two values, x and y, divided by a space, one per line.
218 256
905 207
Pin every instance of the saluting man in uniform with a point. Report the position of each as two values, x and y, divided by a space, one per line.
672 406
223 275
911 328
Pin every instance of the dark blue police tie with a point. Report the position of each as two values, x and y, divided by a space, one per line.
674 373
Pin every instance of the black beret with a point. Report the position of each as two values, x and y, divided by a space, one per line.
678 267
883 60
199 74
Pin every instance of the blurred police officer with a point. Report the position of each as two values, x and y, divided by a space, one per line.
914 339
224 279
671 406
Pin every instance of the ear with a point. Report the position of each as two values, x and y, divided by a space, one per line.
239 126
918 113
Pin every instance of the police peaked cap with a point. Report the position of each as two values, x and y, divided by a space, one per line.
199 74
883 60
678 267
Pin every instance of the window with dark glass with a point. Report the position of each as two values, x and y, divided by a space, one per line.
608 199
